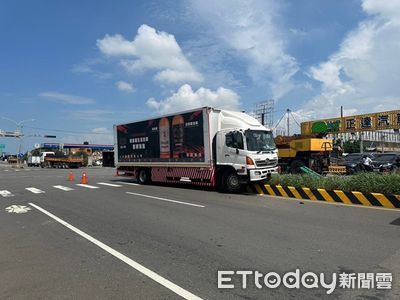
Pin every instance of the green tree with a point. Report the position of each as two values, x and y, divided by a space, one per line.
351 146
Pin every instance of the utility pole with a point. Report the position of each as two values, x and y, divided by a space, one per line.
288 121
341 124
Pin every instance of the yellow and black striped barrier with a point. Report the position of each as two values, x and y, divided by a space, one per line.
335 196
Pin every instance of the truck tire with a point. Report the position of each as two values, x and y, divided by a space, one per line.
143 176
231 182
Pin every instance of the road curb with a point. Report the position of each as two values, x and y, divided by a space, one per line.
334 196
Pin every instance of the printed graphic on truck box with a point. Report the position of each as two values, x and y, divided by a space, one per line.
178 138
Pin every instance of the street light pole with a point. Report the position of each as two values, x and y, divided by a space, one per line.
19 130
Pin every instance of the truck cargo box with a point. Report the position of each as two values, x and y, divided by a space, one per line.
173 140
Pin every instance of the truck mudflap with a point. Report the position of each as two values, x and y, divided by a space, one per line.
261 174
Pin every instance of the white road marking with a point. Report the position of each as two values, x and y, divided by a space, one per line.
109 184
140 268
128 183
6 170
5 193
164 199
87 186
64 188
18 209
35 190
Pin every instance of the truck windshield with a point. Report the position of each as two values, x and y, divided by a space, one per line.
259 140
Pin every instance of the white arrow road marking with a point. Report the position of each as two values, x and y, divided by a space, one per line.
109 184
88 186
64 188
138 267
164 199
18 209
5 193
35 190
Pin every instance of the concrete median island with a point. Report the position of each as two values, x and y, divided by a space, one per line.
363 189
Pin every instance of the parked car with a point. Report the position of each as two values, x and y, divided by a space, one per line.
386 162
353 162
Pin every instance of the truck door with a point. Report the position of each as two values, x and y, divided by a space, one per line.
232 150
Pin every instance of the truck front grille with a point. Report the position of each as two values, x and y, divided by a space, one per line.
266 163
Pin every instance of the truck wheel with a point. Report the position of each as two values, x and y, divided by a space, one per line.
144 177
231 182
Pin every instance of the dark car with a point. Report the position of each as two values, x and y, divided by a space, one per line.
353 162
386 162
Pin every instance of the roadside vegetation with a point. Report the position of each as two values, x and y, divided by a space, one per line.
361 182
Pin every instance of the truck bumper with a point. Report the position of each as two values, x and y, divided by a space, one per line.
261 174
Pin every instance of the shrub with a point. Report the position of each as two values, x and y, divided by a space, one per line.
362 182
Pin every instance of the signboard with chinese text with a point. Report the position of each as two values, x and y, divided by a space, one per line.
376 121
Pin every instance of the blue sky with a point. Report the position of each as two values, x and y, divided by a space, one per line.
77 67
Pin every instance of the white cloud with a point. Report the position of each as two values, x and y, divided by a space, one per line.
66 98
251 31
186 98
363 75
125 86
91 67
100 130
151 50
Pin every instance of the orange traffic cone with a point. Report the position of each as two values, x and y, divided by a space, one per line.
71 177
84 178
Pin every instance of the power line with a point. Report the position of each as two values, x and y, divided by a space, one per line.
295 119
279 121
65 131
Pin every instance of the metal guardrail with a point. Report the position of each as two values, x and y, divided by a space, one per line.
308 171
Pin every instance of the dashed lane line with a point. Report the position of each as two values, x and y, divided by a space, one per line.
35 190
109 184
63 188
128 183
167 200
135 265
87 186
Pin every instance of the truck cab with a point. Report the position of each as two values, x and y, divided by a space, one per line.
245 150
251 154
42 157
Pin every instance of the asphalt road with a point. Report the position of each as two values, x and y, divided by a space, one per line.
125 241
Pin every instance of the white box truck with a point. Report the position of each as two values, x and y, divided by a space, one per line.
205 146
